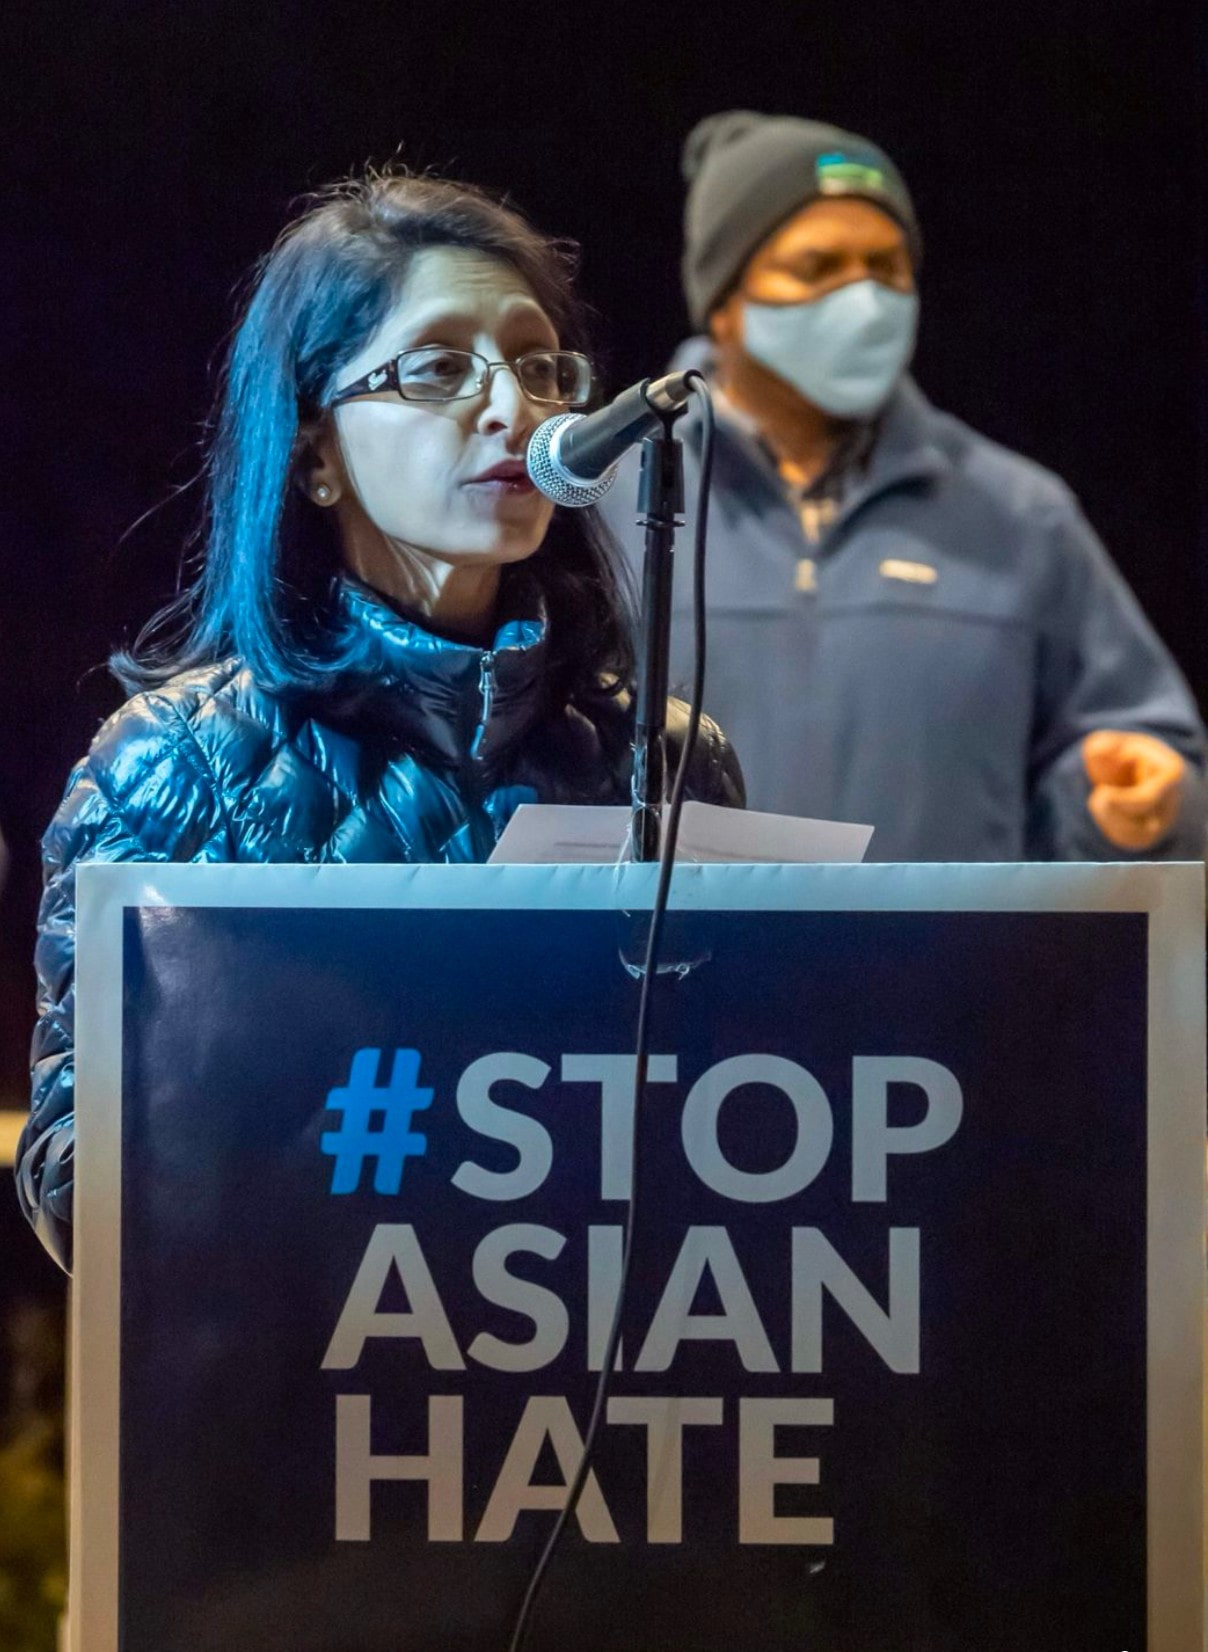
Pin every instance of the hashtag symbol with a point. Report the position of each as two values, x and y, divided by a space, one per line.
394 1142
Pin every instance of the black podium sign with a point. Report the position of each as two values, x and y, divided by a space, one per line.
911 1349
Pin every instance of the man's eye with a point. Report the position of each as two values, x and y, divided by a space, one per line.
811 269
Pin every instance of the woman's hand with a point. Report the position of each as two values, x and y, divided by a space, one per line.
1136 786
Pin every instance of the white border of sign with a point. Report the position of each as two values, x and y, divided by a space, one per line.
1172 895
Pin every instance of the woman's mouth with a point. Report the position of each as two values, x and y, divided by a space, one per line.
507 479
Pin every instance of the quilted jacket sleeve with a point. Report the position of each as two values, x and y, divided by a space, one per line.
144 792
716 774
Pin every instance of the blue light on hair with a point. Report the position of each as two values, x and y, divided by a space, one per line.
270 575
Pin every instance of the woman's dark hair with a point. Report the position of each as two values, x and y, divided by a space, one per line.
268 582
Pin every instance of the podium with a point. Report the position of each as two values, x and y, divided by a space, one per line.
912 1347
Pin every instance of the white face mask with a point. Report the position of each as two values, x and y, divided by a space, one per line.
844 352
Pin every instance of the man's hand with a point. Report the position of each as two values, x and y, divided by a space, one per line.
1136 786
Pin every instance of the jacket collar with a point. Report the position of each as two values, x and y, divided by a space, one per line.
455 702
908 446
907 449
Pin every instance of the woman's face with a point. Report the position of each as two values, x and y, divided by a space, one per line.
420 473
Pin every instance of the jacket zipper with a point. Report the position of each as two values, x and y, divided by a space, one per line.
482 834
486 693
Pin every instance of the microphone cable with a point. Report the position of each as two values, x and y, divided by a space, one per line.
524 1616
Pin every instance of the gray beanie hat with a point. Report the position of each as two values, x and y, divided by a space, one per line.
747 173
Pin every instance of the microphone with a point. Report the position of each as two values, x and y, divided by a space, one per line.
572 457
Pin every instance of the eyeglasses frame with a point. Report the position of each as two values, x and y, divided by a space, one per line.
386 377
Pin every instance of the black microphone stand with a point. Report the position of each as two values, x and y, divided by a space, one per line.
661 504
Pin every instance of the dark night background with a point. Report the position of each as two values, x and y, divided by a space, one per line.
152 151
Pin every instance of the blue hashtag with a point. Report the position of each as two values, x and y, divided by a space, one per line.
391 1145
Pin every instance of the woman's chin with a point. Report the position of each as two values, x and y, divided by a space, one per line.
514 540
490 553
517 548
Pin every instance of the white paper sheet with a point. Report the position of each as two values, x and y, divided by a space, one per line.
560 834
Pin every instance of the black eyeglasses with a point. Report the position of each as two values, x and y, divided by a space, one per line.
560 378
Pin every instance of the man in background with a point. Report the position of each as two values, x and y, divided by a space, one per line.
909 626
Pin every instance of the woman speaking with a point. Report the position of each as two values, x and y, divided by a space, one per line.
394 639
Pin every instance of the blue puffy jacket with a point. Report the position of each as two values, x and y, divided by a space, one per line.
423 757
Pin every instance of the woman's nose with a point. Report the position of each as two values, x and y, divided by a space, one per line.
506 406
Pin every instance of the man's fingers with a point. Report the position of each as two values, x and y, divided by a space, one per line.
1154 792
1115 757
1125 830
1136 786
1103 759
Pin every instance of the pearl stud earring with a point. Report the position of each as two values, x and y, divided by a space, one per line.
322 493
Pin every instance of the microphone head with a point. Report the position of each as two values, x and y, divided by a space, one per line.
548 473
